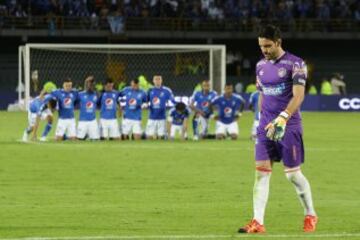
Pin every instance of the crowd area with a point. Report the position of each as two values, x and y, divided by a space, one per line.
198 9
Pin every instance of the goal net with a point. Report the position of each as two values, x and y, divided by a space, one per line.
182 66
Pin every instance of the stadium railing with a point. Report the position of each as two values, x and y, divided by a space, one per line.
178 24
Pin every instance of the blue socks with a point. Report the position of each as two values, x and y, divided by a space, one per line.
46 130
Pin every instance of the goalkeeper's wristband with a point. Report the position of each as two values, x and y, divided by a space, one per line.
285 114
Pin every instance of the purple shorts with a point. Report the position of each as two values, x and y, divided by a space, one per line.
290 149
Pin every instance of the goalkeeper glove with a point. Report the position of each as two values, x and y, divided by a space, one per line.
275 130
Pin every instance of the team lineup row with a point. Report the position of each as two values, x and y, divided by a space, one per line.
128 104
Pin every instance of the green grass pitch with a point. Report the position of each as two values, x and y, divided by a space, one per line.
173 190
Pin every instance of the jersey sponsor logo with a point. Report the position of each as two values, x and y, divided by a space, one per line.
89 105
282 72
109 102
205 104
67 102
132 102
349 103
227 112
156 101
274 90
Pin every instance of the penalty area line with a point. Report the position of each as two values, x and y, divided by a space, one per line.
213 236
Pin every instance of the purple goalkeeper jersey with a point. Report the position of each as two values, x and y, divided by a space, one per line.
275 79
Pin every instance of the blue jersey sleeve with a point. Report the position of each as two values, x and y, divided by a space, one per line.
171 112
240 103
193 96
145 97
252 98
215 101
47 98
170 96
148 95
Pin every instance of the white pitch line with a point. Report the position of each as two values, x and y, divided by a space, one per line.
213 236
186 147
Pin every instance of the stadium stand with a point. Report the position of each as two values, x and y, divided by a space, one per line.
303 15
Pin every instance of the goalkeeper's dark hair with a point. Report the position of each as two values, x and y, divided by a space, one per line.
270 31
180 106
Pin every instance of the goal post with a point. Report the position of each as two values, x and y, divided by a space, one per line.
182 66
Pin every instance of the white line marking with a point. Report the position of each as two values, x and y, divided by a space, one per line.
212 236
123 145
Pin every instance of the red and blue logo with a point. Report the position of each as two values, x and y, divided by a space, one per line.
89 105
227 111
67 102
205 104
156 101
132 102
109 102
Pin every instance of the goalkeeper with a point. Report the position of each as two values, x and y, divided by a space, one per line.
281 78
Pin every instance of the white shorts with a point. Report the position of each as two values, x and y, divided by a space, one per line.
204 124
130 126
176 129
66 126
32 116
89 128
109 128
156 128
222 128
254 127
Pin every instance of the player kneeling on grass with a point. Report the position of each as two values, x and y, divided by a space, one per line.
109 104
38 111
158 96
229 107
178 121
88 125
66 99
135 100
200 104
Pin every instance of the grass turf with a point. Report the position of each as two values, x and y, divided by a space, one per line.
171 188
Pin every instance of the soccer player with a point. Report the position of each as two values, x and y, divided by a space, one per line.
281 78
135 99
178 121
200 104
229 107
66 98
38 111
109 104
254 106
88 99
158 96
